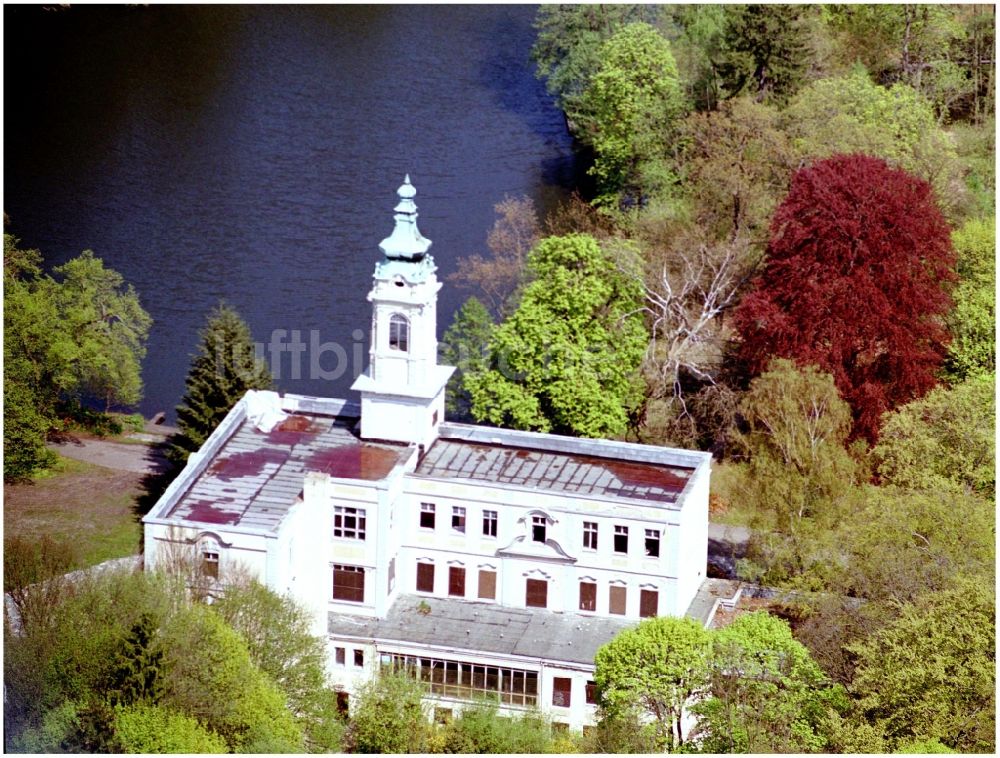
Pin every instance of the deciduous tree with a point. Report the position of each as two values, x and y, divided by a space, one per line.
852 114
224 368
856 283
973 321
627 111
654 669
567 47
110 329
389 716
211 677
765 694
499 276
280 642
931 673
799 476
567 360
145 728
947 439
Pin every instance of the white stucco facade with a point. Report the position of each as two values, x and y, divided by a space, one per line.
487 561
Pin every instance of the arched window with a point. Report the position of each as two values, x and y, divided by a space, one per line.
399 333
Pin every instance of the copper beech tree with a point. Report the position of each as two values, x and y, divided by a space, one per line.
856 282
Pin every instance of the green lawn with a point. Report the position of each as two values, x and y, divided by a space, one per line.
91 507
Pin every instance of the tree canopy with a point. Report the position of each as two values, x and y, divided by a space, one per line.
69 340
972 323
856 283
766 694
930 674
567 359
627 111
655 670
945 439
765 50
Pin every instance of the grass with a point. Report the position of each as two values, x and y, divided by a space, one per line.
726 503
92 507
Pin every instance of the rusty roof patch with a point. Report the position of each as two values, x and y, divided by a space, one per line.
553 470
360 461
256 477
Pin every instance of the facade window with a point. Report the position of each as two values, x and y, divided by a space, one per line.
649 603
590 535
538 528
562 687
340 655
487 584
456 581
616 600
588 596
349 583
210 563
349 522
427 515
425 577
489 523
359 658
392 574
458 518
591 693
621 539
536 595
470 681
399 333
653 543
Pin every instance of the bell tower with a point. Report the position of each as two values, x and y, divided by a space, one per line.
402 390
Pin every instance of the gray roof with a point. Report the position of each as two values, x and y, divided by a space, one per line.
486 627
600 468
255 477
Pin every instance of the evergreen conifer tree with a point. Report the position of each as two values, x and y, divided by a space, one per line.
221 373
136 676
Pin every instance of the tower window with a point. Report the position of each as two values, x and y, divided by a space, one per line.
399 333
348 522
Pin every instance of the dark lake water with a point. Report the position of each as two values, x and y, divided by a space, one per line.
252 153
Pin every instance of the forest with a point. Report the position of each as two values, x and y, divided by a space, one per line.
783 253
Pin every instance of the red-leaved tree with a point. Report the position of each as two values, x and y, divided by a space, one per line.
856 282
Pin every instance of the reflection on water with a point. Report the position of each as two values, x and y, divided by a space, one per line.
253 153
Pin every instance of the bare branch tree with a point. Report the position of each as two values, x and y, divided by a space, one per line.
687 297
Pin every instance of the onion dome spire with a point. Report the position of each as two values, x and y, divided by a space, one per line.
405 242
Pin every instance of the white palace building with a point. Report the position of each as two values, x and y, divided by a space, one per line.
493 562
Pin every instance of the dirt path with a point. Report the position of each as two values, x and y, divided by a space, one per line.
138 457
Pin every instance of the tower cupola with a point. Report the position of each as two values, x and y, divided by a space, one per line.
402 389
406 242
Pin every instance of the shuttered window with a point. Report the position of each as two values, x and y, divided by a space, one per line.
537 594
487 584
616 601
425 577
649 602
588 596
456 581
349 583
